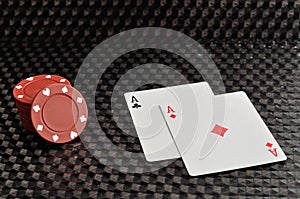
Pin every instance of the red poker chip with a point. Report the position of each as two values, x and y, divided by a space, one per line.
25 119
28 120
59 113
23 108
25 91
22 105
23 116
27 124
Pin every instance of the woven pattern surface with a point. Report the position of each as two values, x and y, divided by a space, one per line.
207 19
30 166
255 45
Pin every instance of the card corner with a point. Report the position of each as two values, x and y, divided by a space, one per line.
243 93
192 173
284 158
149 159
127 94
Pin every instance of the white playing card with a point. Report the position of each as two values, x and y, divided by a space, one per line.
236 138
151 128
154 135
196 112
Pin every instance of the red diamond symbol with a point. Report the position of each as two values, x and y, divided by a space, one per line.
173 116
219 130
269 144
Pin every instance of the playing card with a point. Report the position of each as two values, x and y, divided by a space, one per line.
152 130
196 112
235 138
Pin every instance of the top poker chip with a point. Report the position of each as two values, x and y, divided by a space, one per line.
59 113
26 90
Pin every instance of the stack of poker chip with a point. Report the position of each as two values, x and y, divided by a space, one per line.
50 106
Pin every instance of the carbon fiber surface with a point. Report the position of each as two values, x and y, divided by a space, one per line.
270 19
268 72
254 44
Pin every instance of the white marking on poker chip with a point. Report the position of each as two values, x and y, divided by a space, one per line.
62 80
64 89
39 127
20 96
29 78
73 135
48 76
82 118
55 137
46 92
19 87
36 108
79 100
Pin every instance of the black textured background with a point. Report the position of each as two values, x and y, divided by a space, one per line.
255 44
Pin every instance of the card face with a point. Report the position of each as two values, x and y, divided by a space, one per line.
196 113
148 117
235 138
151 128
